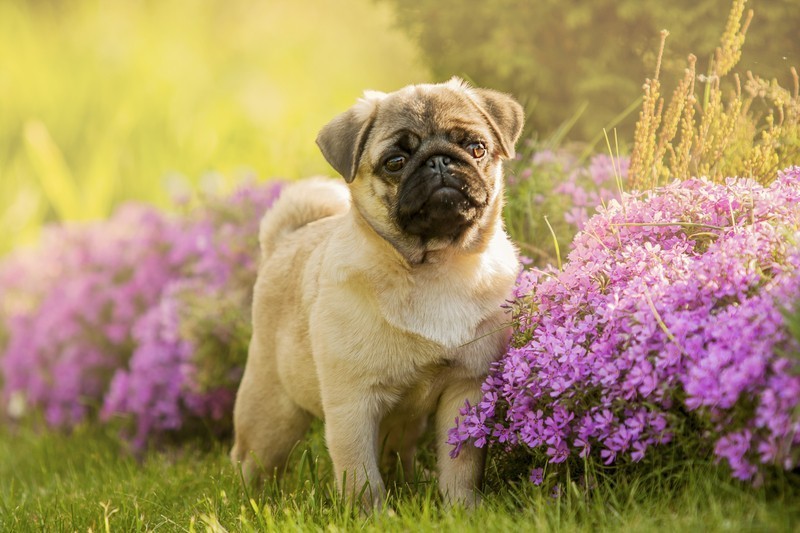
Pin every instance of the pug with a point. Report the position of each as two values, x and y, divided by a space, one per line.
378 301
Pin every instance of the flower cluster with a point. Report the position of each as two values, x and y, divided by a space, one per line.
575 186
564 185
667 321
591 186
103 317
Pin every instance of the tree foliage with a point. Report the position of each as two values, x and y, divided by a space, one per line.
557 55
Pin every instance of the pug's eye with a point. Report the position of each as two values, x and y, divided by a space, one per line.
394 164
477 150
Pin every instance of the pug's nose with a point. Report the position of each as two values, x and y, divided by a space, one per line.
439 163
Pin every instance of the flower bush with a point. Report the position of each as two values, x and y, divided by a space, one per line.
666 322
136 316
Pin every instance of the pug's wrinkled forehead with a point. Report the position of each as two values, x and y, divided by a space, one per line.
406 118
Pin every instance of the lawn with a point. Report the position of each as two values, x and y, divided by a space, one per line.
88 481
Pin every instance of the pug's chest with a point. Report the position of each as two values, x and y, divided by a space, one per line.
441 338
442 313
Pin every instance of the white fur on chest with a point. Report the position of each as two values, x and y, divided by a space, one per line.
439 310
447 305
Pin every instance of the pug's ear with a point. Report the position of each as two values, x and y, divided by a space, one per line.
504 114
342 140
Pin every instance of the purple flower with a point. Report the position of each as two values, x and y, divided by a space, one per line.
537 476
670 302
106 314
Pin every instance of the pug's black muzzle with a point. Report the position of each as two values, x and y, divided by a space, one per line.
441 198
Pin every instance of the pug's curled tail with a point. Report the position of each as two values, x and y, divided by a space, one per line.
301 203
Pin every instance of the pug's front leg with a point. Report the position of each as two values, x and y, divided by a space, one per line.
460 478
351 433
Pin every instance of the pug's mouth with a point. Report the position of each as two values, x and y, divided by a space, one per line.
447 197
445 213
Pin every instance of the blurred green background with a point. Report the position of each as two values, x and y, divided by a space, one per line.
103 101
106 101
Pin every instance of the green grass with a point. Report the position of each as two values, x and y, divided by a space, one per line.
88 481
104 102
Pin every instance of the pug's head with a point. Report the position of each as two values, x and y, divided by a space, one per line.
424 163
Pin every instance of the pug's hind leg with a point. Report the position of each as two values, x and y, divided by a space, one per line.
268 425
